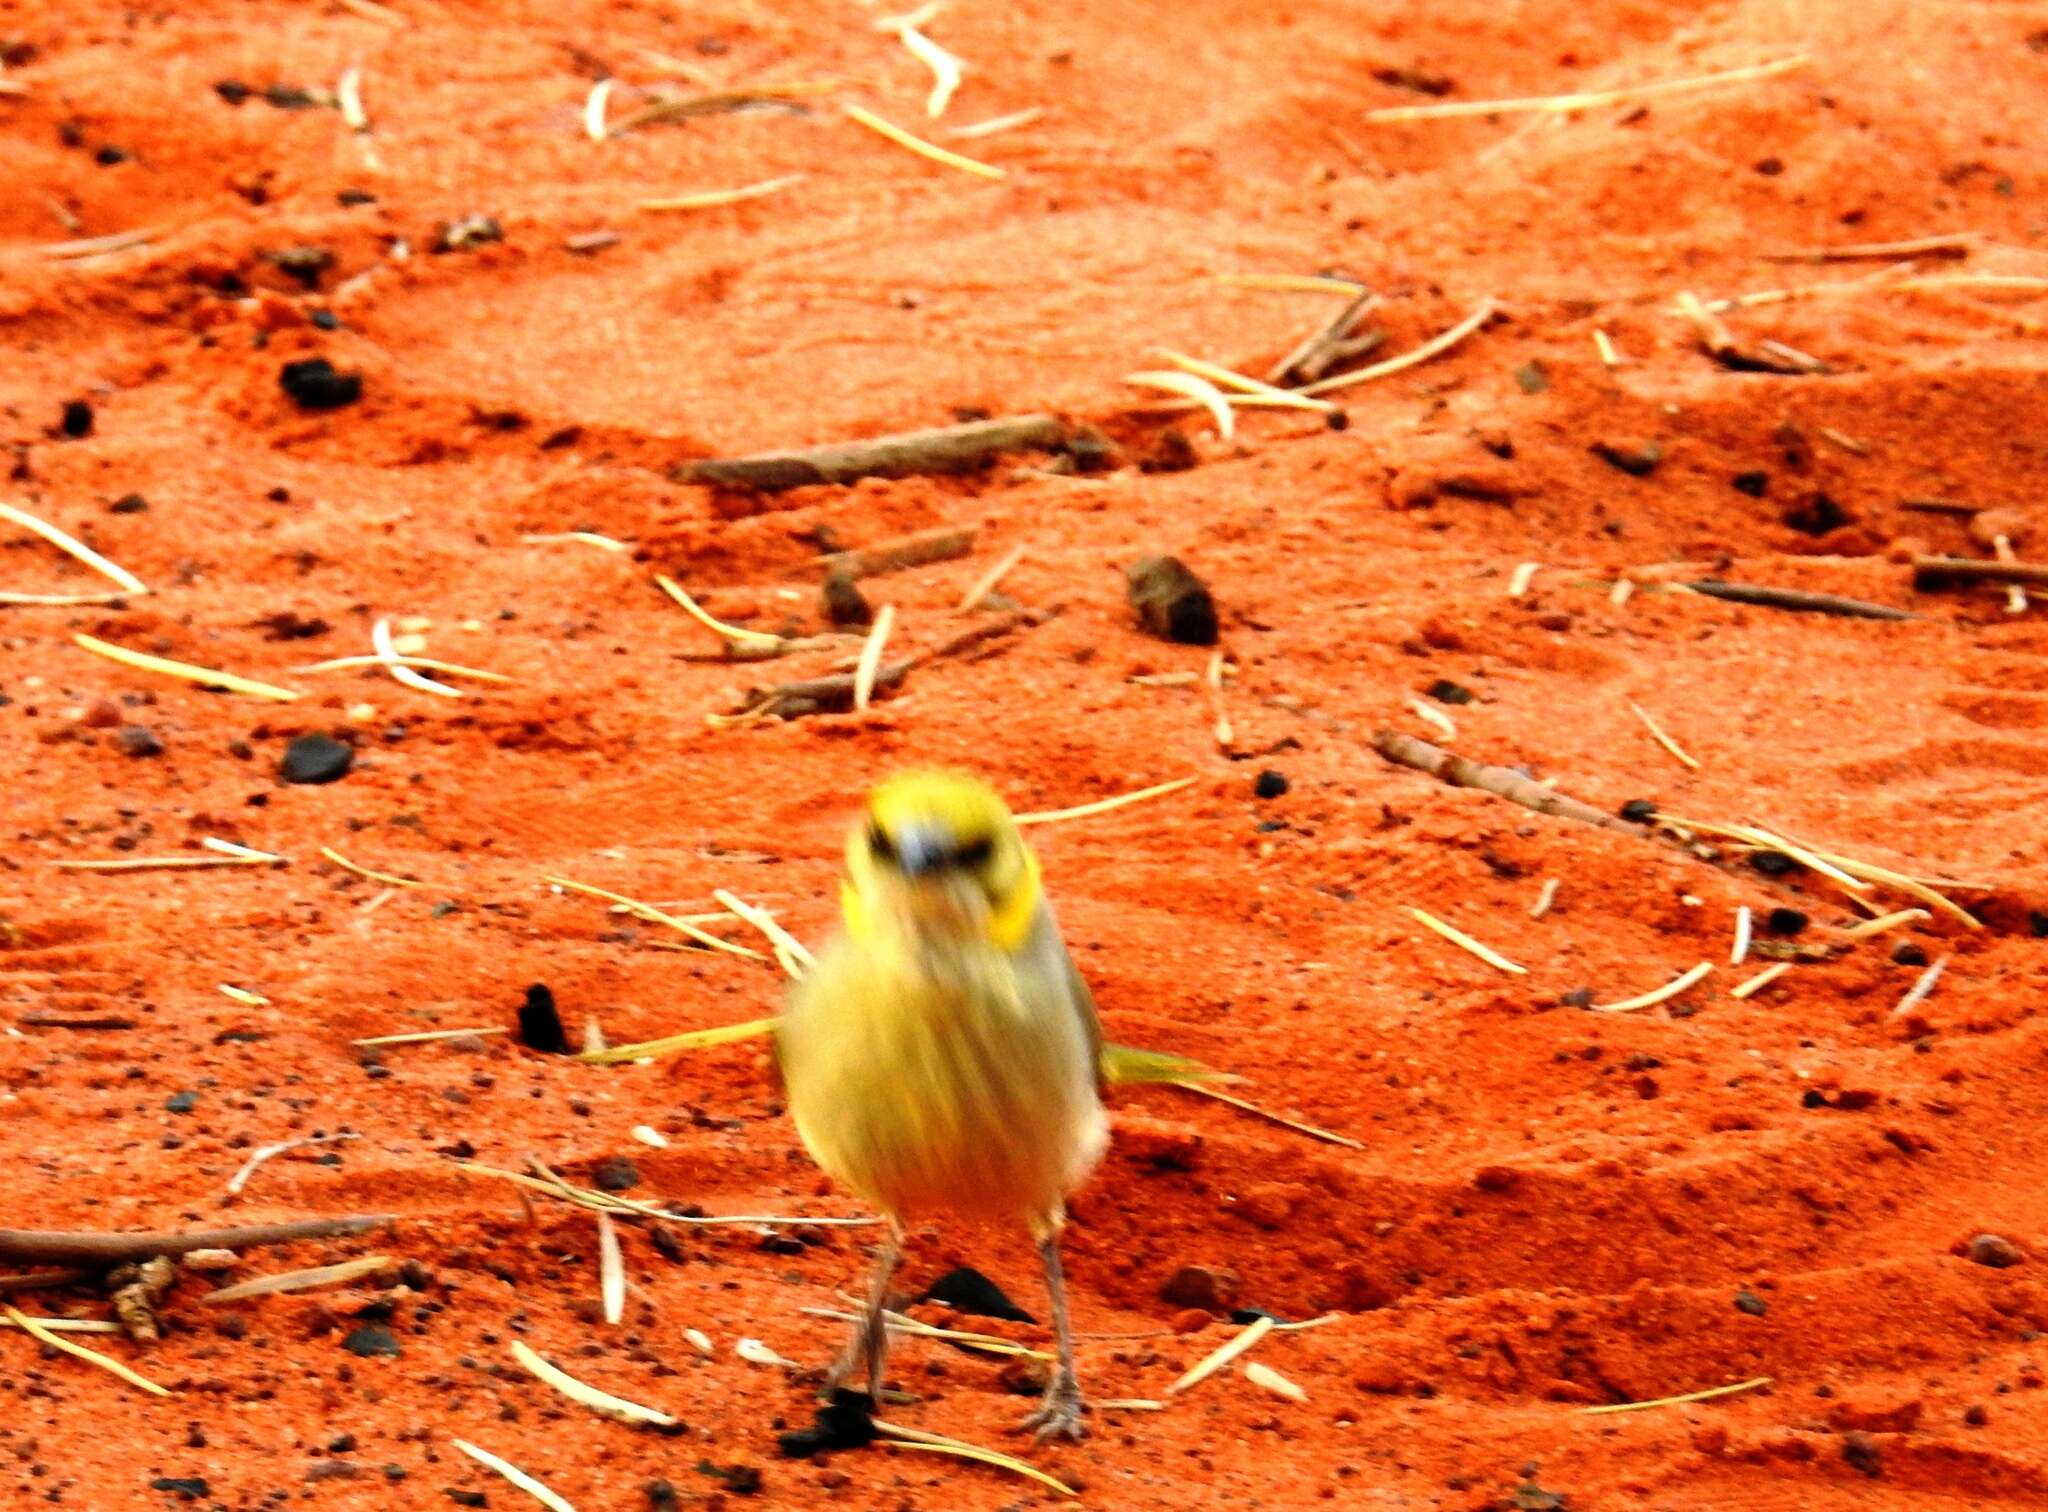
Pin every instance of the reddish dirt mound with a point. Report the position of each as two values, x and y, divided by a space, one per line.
1552 1209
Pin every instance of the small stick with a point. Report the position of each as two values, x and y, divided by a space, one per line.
1675 1401
611 1270
897 1437
1328 344
2015 595
62 600
1870 928
1266 1378
1502 782
57 1247
204 676
269 1151
751 640
387 652
348 99
1623 590
1796 599
426 1036
69 1325
1721 345
165 863
1917 993
698 1039
1432 715
1592 100
79 1351
1293 283
1433 347
1669 990
871 657
996 124
71 546
95 246
1932 572
515 1475
946 69
1657 733
1202 1369
709 199
1201 1089
1463 941
241 995
425 663
34 1020
1761 980
1105 805
945 449
654 915
795 957
1848 443
299 1280
1739 952
389 879
1525 574
1544 899
1955 244
587 537
985 584
919 549
370 10
928 150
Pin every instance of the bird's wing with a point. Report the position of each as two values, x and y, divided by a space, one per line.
1050 947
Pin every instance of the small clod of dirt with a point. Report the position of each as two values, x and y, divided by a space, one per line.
313 759
314 383
1172 603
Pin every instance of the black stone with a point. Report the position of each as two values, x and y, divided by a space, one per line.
183 1102
540 1022
615 1173
741 1480
967 1290
316 759
1772 863
1817 516
1862 1453
138 740
463 1498
313 384
77 421
234 91
109 155
1444 691
1336 420
1785 921
1751 1303
1636 461
132 503
1270 784
1906 953
1755 484
372 1341
1639 810
2037 923
1993 1250
191 1487
844 603
1171 601
288 97
1090 450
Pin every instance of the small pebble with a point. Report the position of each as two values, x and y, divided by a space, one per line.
316 759
1785 921
1212 1288
138 740
1171 602
314 384
844 603
1270 784
615 1174
77 420
1906 953
1749 1302
372 1341
1994 1251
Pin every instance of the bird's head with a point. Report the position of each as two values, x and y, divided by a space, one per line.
939 854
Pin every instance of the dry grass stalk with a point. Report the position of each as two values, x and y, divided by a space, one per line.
611 1270
1217 1358
900 1437
300 1280
984 585
997 124
426 1036
1327 1136
69 544
1676 1401
594 105
1105 805
1431 715
242 995
398 659
515 1475
1189 386
726 1034
66 1325
95 246
1917 993
1267 1378
734 635
78 1351
1230 378
1657 733
1544 898
1953 244
389 879
1669 990
871 657
204 676
940 449
601 1402
711 199
791 952
348 99
1590 100
1293 283
946 69
1870 928
1465 942
1604 345
1525 574
387 652
271 1151
1739 951
1760 981
587 537
655 915
1434 347
928 150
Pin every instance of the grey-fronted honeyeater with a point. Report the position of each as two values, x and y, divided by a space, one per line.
942 1055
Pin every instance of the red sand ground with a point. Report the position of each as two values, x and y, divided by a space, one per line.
1643 1170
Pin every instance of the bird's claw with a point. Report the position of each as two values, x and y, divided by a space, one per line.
1059 1413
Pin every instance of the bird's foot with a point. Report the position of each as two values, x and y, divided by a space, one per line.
1059 1413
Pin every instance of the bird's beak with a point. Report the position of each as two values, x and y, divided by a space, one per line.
922 849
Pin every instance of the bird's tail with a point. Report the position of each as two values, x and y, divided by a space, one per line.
1127 1066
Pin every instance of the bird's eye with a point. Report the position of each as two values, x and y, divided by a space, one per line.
974 853
880 846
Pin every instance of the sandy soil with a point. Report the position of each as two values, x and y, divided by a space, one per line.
1553 1208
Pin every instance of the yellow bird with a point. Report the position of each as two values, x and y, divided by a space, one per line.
942 1056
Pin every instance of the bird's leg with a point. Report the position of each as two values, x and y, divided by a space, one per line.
1059 1413
870 1339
